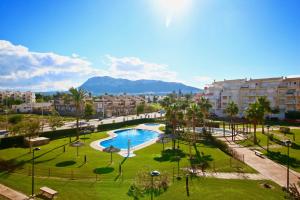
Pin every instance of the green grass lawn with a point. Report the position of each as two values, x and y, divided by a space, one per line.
55 168
200 188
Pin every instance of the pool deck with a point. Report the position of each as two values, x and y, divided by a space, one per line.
96 144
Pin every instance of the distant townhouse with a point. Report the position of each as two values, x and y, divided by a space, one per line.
108 106
24 97
37 108
283 94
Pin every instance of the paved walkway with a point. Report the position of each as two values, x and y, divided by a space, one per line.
11 194
268 168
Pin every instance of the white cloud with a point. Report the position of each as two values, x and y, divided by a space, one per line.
134 68
24 69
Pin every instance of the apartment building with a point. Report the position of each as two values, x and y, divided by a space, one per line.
108 106
37 108
25 97
104 106
283 93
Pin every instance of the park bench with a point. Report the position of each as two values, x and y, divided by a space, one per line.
48 192
259 154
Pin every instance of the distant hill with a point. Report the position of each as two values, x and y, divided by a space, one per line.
106 84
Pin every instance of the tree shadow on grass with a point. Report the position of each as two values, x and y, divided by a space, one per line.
200 159
170 155
103 170
282 159
65 163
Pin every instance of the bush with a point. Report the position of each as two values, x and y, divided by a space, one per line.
292 115
218 143
59 133
285 130
14 141
14 119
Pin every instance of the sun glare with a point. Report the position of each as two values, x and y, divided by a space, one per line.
172 8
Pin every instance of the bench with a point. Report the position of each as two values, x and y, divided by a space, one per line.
259 154
48 192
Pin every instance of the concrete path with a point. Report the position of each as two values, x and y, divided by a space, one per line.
11 194
268 168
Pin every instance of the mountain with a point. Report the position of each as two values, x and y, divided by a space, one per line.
106 84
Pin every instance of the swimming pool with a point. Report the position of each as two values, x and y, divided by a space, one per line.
151 124
135 136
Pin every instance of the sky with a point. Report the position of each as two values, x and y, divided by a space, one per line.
52 45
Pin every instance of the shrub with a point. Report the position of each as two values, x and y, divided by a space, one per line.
14 119
292 115
285 130
14 141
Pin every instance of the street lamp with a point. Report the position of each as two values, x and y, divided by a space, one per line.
32 174
268 136
153 173
288 143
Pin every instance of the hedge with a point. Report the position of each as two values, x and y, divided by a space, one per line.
14 141
292 115
18 141
106 127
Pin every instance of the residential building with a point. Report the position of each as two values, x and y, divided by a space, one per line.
104 106
108 106
283 94
25 97
37 108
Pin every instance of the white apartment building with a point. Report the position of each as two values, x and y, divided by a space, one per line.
25 97
283 93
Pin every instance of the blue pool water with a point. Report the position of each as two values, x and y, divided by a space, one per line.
136 137
152 124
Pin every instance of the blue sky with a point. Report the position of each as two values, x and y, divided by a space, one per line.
53 44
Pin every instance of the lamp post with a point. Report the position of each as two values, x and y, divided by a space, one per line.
288 144
268 137
32 174
153 173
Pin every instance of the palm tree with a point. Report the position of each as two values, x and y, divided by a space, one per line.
231 110
78 99
194 115
204 105
255 114
174 116
265 103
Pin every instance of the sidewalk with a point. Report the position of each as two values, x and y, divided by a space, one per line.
11 194
265 166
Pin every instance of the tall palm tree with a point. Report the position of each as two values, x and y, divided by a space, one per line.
265 103
174 116
231 110
255 114
204 105
194 115
78 99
